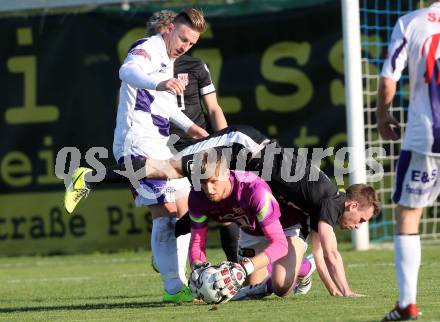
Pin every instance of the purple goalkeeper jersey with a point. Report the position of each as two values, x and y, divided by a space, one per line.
250 204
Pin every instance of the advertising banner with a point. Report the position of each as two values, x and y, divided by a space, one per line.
280 72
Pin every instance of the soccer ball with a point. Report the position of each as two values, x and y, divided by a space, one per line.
207 290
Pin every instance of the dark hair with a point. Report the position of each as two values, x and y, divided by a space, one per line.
193 18
365 195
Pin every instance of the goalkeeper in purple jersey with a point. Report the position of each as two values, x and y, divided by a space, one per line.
274 237
313 192
267 235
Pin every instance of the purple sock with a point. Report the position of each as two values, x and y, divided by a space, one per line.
305 268
269 286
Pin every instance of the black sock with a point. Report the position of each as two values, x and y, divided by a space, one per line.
229 241
110 176
183 225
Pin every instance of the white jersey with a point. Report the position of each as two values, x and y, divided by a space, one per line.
144 114
415 41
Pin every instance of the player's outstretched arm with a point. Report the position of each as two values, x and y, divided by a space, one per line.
321 266
333 258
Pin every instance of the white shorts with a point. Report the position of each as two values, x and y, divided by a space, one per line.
156 192
250 245
416 184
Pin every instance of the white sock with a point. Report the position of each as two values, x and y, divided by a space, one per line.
407 260
182 255
163 245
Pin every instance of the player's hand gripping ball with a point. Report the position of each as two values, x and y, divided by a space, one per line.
208 286
194 278
230 278
217 284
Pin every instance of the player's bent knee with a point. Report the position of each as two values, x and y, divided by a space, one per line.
282 290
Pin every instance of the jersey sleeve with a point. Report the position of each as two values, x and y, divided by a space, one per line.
397 55
204 80
198 219
199 228
137 69
264 205
330 212
197 245
277 243
180 119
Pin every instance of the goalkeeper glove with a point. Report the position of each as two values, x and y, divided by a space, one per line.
231 276
247 265
193 282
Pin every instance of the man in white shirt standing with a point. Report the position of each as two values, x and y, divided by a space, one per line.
147 104
415 42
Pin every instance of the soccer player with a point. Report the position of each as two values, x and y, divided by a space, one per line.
268 236
309 189
197 82
414 42
198 86
248 200
146 106
147 103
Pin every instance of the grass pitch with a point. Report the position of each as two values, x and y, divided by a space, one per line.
124 287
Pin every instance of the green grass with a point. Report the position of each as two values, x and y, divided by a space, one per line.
124 287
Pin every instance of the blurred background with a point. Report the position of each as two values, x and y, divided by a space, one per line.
277 65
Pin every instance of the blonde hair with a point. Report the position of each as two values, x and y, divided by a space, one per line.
159 21
192 18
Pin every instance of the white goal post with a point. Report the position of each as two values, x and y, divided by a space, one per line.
367 28
354 105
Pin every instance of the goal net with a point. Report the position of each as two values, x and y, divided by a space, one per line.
377 19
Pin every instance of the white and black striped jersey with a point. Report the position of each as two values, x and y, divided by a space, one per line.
313 192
